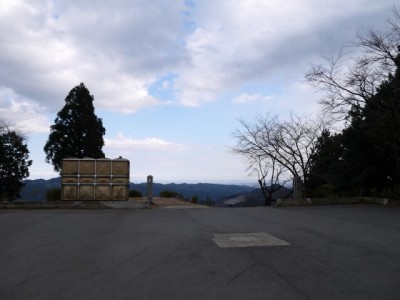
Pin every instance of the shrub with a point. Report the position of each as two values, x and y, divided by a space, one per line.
168 194
391 193
208 201
53 194
195 199
135 194
326 191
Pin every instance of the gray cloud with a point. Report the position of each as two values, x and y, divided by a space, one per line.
120 49
238 43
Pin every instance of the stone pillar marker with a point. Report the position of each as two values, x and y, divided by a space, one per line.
149 189
297 187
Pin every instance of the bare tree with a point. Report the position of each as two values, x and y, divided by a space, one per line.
4 126
280 145
355 84
272 176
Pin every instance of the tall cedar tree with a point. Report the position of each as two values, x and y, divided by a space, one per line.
14 163
77 131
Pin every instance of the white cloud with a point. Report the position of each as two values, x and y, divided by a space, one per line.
126 51
298 98
247 98
49 47
22 113
124 144
236 43
120 49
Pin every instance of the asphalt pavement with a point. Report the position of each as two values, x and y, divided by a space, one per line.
323 252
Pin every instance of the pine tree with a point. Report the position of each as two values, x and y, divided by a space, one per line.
77 131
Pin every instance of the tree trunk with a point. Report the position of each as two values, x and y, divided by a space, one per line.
267 199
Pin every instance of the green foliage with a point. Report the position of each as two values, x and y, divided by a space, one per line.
195 199
170 194
367 93
326 190
208 201
53 194
77 131
371 142
135 194
391 193
364 160
324 165
14 162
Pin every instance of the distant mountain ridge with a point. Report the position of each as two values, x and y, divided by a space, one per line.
251 198
204 191
35 190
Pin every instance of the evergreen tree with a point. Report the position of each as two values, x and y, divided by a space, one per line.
77 131
325 165
364 160
366 163
14 163
382 114
372 141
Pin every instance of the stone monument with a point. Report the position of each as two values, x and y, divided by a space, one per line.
297 187
149 189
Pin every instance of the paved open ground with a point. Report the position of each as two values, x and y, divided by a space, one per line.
327 252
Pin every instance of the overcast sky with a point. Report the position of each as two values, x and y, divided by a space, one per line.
169 78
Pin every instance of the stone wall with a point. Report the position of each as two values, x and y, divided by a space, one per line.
325 201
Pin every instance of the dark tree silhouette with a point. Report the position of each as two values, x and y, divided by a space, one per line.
375 131
14 162
364 159
364 90
77 131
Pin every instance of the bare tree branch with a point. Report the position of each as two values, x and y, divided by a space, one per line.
277 147
353 86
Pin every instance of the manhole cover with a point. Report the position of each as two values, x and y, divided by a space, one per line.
257 239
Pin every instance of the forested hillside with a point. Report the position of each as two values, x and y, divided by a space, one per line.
35 190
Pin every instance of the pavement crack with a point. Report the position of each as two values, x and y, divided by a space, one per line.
37 276
126 260
240 274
